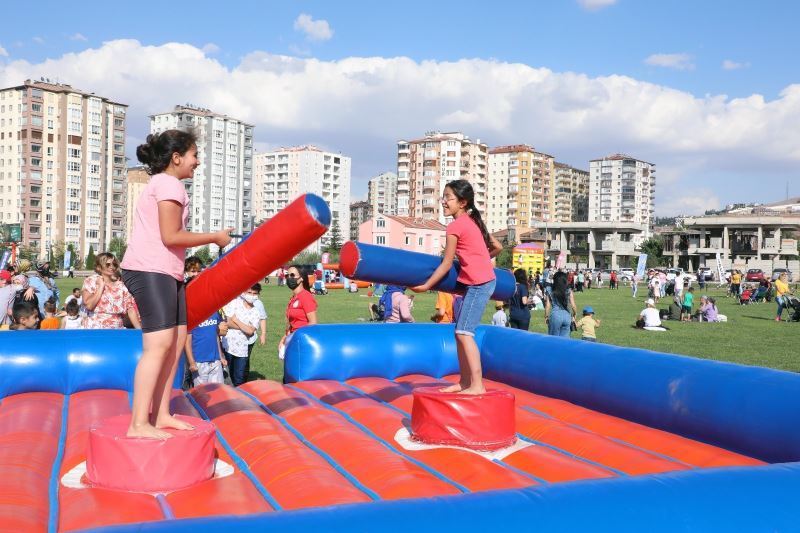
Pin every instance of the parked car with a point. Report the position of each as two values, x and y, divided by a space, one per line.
672 272
625 274
707 273
776 272
754 274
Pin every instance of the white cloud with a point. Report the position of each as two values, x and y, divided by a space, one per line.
78 37
594 5
362 105
314 30
733 65
676 61
210 48
695 200
3 52
38 40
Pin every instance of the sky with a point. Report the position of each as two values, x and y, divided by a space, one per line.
709 91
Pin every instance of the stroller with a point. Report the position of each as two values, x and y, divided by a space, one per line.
748 296
794 304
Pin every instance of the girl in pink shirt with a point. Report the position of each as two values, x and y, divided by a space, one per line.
469 240
152 270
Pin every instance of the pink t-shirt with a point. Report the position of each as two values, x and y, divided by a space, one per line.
476 265
146 251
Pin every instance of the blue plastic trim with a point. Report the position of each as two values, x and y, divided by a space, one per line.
318 209
385 444
165 507
52 489
322 453
519 435
237 460
614 439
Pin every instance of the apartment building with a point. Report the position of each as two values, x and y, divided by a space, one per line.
220 193
571 194
137 178
622 189
382 193
283 175
360 212
62 166
530 177
425 165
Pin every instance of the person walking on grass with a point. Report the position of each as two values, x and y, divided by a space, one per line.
470 241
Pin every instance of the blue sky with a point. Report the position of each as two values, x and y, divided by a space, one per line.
702 61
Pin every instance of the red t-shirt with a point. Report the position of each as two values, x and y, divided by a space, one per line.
476 265
299 306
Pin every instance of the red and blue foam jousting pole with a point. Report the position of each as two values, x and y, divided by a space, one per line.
270 246
381 264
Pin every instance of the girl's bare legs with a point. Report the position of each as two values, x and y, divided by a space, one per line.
160 416
474 371
463 365
157 347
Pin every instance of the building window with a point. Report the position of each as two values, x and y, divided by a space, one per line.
381 223
408 239
419 241
380 239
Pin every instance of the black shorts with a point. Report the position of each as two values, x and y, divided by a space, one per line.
161 299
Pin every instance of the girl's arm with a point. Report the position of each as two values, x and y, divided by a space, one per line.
170 222
547 309
496 247
442 270
572 303
187 348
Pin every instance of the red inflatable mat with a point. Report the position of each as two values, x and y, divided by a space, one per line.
482 422
115 461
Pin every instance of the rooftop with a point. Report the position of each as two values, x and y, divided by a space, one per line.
420 223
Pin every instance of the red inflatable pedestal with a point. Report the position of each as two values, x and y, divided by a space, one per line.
114 461
482 422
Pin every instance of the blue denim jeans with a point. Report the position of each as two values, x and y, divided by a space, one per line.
559 323
475 299
237 367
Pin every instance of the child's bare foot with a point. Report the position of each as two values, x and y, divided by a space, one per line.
148 432
171 422
455 387
474 390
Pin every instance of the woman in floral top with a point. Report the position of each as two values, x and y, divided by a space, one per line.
106 298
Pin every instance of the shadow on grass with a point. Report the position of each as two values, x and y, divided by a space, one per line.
770 319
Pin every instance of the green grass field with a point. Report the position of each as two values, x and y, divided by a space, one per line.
751 336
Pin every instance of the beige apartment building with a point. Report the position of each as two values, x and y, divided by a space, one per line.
382 193
571 194
530 187
283 175
425 165
62 166
137 181
622 189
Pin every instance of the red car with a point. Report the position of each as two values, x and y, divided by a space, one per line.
754 274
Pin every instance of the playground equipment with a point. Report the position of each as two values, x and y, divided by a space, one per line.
618 439
381 264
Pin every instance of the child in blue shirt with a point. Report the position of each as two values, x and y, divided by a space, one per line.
204 354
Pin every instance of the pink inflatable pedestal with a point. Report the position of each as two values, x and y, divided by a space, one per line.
115 461
483 422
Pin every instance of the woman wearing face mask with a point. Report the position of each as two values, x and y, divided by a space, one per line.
302 308
243 318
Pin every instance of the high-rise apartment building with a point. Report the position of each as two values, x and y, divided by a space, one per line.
622 189
571 194
137 179
382 193
360 212
283 175
424 166
62 166
529 175
220 193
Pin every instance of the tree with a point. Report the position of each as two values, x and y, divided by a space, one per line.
334 238
57 250
505 258
204 255
306 258
90 258
654 248
26 251
117 246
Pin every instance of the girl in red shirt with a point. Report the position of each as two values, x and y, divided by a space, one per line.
302 308
469 240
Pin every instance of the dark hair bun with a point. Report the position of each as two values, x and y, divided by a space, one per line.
158 148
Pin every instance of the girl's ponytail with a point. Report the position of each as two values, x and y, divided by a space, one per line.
475 215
